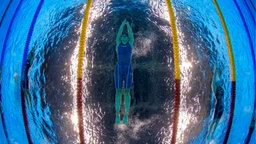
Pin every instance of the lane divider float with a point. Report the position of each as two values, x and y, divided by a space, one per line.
1 65
25 67
233 73
82 43
176 56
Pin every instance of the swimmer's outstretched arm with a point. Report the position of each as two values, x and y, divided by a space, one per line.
120 31
130 33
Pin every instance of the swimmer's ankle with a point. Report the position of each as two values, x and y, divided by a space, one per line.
117 119
125 119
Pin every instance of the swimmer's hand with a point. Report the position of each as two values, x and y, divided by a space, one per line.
124 22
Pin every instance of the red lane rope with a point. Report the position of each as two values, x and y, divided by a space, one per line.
80 110
231 112
176 111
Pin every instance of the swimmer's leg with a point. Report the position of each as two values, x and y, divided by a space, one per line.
118 104
127 105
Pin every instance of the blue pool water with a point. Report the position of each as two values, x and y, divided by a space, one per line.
39 43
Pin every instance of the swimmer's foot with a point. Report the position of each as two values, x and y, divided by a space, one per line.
125 119
118 119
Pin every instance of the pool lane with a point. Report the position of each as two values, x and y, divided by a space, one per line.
80 74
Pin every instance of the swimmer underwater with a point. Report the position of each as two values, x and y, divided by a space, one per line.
123 73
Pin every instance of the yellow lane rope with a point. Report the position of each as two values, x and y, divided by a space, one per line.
83 39
230 51
175 40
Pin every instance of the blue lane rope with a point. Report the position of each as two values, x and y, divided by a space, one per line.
31 29
252 4
1 65
250 11
254 68
5 11
23 72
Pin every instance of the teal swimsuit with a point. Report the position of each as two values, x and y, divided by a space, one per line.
123 71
